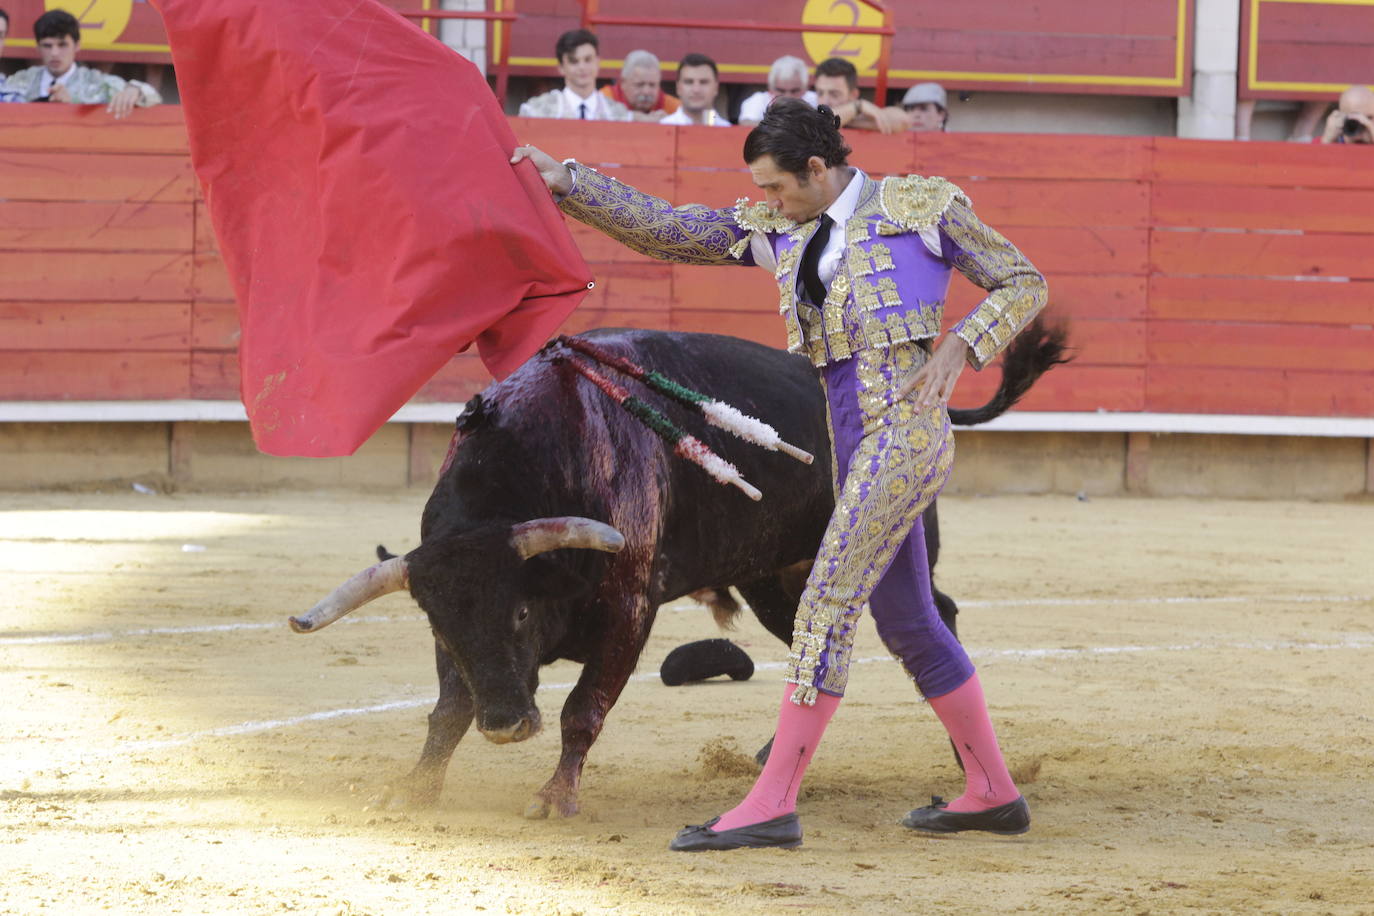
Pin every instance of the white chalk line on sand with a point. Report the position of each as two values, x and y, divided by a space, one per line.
127 748
192 630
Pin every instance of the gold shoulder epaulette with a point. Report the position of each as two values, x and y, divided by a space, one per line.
916 202
760 217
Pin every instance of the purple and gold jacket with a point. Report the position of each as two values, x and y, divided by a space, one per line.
890 286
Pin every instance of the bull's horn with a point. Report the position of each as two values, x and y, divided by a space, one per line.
544 534
373 582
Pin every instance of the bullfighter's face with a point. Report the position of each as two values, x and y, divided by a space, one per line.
797 197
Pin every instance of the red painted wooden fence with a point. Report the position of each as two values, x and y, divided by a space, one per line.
1199 276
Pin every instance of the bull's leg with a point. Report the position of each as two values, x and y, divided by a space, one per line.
448 723
603 677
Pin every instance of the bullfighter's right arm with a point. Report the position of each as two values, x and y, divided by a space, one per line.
691 234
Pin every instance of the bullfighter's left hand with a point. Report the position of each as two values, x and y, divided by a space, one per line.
934 382
124 101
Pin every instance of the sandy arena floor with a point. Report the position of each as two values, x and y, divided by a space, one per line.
1183 690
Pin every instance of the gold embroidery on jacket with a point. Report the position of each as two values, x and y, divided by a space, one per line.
915 202
760 217
882 257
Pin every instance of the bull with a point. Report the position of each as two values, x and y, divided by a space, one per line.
559 525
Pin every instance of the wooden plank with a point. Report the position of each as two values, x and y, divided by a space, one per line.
1071 296
205 240
214 325
1242 254
82 375
1261 165
1033 156
461 378
95 226
1003 202
95 277
600 143
715 188
1071 387
880 154
1219 206
95 325
1176 389
644 286
1095 342
1286 301
214 375
588 318
718 148
725 288
1276 346
58 175
1058 250
211 278
754 325
90 128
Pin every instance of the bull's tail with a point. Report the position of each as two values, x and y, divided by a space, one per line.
1036 350
724 608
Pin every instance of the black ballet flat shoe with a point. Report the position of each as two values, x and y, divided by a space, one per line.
782 832
1010 819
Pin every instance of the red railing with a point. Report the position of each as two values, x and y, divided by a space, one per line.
500 53
592 17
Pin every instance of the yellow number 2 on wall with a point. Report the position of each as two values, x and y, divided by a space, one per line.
102 21
859 50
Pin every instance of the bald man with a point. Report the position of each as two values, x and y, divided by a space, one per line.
1353 119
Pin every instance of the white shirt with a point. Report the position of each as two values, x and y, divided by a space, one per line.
713 119
753 107
841 210
46 80
596 105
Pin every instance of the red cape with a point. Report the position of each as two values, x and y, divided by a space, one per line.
359 181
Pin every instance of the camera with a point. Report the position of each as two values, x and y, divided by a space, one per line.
1352 129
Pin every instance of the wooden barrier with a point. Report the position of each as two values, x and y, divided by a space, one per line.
1200 277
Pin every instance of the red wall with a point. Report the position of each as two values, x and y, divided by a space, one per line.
1200 276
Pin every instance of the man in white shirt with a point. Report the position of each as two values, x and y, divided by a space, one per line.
61 79
579 59
698 83
788 77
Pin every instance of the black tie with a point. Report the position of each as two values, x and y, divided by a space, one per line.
811 259
582 111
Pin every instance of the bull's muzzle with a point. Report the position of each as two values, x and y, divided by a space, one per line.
526 726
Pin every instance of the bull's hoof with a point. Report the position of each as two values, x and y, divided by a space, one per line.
540 808
404 796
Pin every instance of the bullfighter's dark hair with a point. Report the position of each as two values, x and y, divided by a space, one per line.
569 42
5 16
792 132
55 24
834 66
697 60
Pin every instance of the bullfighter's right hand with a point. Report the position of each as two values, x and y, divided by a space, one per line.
556 175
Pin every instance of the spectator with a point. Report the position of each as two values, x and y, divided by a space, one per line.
640 88
837 85
787 77
1353 119
4 31
698 84
926 107
61 79
579 59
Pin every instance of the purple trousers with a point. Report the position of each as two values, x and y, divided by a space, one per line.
862 404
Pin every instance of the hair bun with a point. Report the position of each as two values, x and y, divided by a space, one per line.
827 110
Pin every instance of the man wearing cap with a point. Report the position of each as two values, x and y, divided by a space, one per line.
926 107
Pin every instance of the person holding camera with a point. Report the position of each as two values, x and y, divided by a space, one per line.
1353 119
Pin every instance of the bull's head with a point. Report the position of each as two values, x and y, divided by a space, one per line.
483 591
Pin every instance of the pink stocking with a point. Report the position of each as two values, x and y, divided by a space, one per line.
964 713
775 792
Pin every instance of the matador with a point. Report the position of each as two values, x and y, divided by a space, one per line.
862 268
